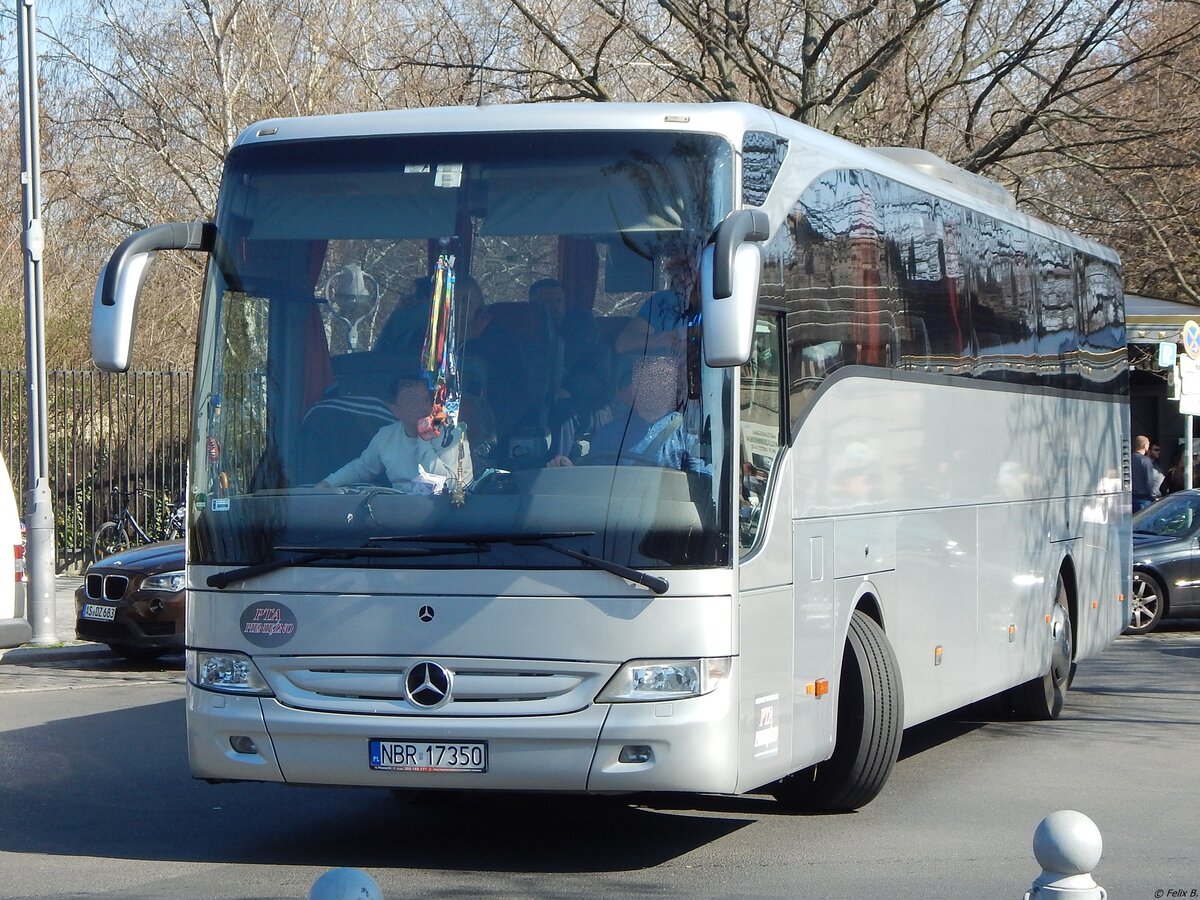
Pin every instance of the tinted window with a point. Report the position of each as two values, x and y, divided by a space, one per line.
876 273
762 155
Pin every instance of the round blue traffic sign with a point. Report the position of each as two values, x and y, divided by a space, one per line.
1191 338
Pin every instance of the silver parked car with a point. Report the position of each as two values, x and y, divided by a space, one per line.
1166 561
14 626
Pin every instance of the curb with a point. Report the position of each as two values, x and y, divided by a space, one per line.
74 651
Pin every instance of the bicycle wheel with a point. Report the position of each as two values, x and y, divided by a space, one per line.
110 538
174 528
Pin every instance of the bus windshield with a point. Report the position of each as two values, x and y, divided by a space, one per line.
463 351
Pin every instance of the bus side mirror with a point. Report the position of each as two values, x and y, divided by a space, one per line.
114 308
729 272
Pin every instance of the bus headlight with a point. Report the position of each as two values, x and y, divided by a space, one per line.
642 680
226 672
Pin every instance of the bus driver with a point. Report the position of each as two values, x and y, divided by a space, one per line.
653 432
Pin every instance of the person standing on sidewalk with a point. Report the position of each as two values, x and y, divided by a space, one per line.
1147 479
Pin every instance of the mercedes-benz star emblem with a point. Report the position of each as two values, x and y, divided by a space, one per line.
428 685
426 614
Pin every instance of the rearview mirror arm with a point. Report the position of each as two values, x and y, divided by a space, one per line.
739 226
170 236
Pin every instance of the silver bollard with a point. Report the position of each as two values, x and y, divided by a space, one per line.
1067 846
345 884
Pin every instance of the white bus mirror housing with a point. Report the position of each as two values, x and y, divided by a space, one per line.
114 307
729 273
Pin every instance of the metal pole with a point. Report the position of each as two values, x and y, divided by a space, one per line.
1187 452
39 516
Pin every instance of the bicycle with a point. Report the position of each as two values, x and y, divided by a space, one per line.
114 536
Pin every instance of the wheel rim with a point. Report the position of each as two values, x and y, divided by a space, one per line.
1145 602
1060 659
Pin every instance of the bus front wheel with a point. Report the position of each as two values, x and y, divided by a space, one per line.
870 724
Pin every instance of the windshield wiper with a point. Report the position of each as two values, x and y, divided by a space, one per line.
316 554
656 584
540 539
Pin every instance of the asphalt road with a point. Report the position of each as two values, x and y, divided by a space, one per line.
95 801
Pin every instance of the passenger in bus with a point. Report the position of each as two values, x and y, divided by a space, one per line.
483 443
621 404
576 369
546 372
653 432
407 453
406 326
354 418
660 326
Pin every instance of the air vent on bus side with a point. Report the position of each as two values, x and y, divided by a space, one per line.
932 164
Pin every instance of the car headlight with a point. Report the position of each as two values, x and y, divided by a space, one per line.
643 680
172 582
226 672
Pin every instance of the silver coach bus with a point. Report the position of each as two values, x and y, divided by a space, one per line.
619 448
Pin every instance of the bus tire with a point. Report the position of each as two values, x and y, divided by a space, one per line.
870 725
1042 698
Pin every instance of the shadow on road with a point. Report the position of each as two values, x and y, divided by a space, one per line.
116 785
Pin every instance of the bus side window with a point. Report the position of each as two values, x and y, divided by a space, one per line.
762 422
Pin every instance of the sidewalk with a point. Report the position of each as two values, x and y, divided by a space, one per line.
64 629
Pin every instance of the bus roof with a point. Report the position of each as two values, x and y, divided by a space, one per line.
916 168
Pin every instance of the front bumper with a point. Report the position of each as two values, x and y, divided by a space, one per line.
128 631
692 743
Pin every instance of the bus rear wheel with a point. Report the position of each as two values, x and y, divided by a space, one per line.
870 724
1043 697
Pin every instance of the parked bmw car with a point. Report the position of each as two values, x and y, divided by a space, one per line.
134 602
1166 561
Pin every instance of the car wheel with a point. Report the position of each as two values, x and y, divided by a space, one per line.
1146 600
137 654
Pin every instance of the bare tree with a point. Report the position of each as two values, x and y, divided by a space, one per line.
1086 108
147 100
1126 170
1051 97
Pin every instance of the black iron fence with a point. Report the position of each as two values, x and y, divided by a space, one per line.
107 433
